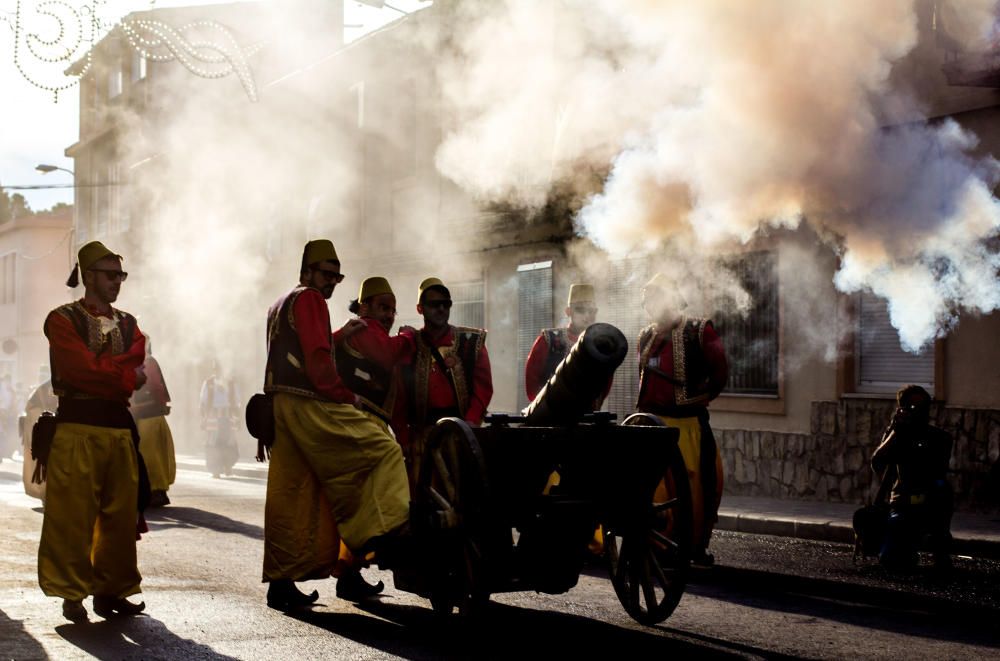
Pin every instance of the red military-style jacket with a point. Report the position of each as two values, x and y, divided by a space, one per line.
103 372
681 369
373 347
431 388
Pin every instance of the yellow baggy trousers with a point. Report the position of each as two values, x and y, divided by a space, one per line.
690 446
336 474
157 449
88 533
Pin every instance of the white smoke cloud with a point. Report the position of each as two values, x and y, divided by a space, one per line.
716 120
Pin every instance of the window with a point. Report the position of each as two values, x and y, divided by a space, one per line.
751 340
881 363
138 66
115 80
8 271
534 312
469 305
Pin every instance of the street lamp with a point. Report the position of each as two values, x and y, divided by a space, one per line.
45 169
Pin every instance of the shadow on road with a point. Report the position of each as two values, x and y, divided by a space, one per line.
858 605
18 643
503 631
192 517
140 637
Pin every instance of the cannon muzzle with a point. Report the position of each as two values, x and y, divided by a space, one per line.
580 379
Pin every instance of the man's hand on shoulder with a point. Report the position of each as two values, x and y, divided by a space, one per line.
352 327
408 331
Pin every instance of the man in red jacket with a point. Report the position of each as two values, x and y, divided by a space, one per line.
336 473
93 468
682 367
449 375
553 344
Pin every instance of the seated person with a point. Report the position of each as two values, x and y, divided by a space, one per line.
921 501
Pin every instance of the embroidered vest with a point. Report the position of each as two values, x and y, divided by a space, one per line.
375 385
286 364
690 373
100 334
460 360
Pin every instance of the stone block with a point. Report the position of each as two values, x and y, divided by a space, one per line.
855 459
754 450
819 485
814 418
739 474
787 472
801 482
846 489
837 467
828 419
751 472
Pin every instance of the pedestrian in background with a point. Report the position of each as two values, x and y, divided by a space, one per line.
150 407
920 503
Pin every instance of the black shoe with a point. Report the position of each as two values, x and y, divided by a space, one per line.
109 606
158 498
74 611
702 558
283 595
353 587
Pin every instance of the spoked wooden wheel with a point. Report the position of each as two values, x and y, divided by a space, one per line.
649 562
452 488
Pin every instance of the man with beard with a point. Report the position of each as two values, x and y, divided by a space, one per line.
368 359
92 466
336 473
449 375
682 367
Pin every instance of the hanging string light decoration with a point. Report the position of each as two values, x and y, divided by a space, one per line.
190 45
63 36
57 35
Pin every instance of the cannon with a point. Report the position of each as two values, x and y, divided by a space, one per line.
483 523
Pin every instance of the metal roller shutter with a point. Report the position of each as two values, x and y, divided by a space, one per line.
883 364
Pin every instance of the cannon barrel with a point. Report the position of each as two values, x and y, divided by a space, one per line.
580 379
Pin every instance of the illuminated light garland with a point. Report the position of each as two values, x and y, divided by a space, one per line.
159 42
152 39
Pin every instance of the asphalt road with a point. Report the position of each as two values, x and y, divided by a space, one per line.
767 598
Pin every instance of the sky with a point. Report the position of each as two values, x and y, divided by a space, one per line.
35 129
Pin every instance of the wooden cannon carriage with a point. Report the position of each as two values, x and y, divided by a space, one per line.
484 523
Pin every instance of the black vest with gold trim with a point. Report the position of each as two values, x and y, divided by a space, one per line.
558 341
460 362
375 385
690 377
286 364
100 334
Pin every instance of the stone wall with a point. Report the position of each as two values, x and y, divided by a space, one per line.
830 463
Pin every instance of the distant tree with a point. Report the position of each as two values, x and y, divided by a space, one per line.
4 206
19 207
59 206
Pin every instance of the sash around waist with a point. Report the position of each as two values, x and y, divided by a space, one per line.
95 412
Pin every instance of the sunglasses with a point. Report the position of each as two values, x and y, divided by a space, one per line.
331 275
112 274
446 304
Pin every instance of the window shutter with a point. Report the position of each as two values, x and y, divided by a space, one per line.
883 365
534 312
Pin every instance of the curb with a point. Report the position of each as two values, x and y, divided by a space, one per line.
838 531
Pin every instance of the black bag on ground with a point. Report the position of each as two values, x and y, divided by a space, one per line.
42 433
260 423
872 521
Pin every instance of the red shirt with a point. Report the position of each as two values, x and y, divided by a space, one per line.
312 323
658 394
99 375
440 394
